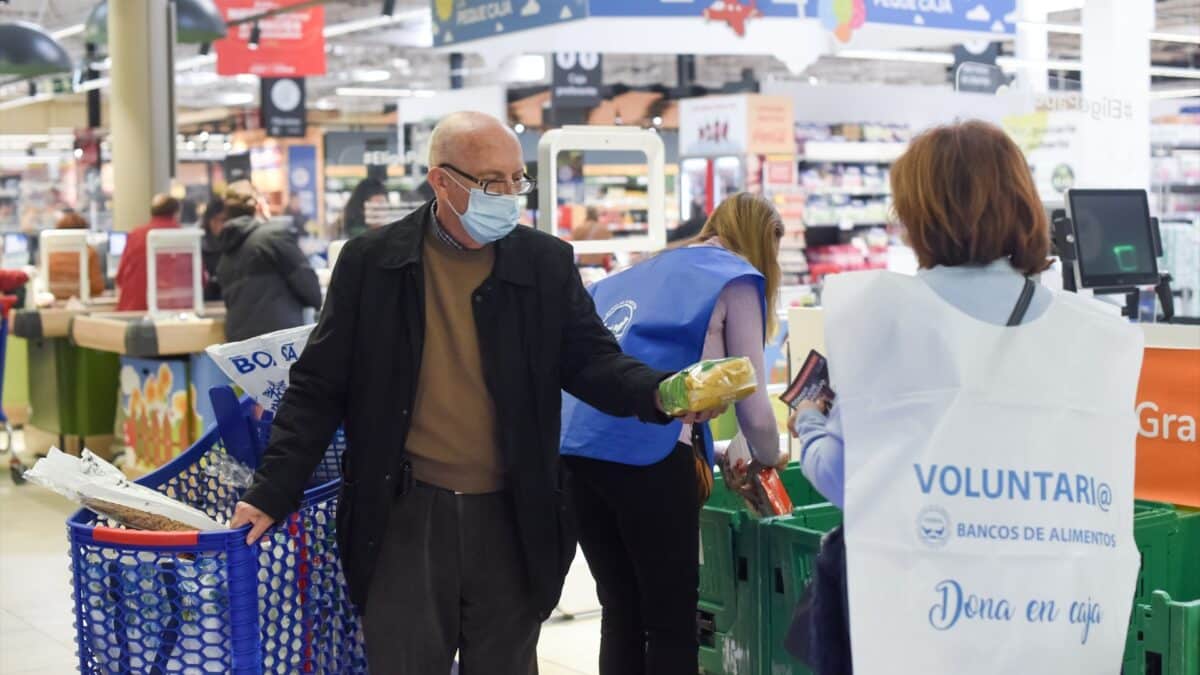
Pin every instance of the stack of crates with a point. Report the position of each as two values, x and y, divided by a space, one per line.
754 572
733 570
1164 631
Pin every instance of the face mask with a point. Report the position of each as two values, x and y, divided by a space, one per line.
488 218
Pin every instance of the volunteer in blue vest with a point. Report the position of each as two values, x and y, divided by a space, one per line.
956 389
637 488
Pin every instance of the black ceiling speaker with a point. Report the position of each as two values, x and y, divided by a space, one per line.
196 22
28 51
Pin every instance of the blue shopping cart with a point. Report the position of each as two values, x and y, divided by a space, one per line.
205 602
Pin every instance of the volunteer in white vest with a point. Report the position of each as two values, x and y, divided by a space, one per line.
981 443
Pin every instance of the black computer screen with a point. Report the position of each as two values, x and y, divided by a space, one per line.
1113 237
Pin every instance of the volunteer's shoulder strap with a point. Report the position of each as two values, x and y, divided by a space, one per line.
1022 306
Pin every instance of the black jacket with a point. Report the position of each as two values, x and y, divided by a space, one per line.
265 279
538 333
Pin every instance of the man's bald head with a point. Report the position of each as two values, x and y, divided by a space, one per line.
465 134
468 151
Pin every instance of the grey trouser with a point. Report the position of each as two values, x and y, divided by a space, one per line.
450 578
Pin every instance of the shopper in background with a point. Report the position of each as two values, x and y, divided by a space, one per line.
972 214
690 227
64 267
354 216
444 345
131 274
211 221
635 486
265 279
295 215
591 229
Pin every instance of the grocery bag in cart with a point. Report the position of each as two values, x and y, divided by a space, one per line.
206 602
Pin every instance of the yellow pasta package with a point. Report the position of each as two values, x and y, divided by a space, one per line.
707 385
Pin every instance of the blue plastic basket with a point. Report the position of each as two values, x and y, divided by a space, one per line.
205 602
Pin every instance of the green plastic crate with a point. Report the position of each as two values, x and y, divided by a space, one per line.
731 614
1169 635
792 546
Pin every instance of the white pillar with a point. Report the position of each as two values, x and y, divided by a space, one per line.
1032 45
1115 131
142 105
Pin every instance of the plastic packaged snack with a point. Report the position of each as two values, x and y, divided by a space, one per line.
760 486
261 365
707 385
101 487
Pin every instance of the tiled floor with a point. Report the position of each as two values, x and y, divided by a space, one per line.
36 635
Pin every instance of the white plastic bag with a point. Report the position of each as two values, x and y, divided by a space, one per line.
101 487
260 365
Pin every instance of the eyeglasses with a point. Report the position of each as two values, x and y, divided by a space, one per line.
522 186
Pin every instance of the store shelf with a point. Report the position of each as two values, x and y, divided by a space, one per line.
848 225
1178 188
876 153
848 192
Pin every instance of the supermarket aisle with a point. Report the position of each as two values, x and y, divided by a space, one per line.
36 635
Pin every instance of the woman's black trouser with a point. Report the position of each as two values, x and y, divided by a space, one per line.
820 632
639 528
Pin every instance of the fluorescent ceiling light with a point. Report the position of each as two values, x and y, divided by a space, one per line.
1175 93
377 22
246 78
69 31
1052 27
370 75
1011 62
376 92
1176 37
235 98
424 93
1167 71
896 55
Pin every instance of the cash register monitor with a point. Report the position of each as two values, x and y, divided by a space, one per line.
116 243
1114 238
16 242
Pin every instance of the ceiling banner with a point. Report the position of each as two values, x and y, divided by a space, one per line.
457 21
291 44
843 17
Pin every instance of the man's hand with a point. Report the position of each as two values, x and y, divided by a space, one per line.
704 416
259 522
692 417
820 405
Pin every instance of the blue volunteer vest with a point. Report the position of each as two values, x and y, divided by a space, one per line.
659 311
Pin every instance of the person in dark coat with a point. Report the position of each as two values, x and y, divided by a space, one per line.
211 222
443 347
265 279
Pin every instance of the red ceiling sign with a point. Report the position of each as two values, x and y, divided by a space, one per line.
291 44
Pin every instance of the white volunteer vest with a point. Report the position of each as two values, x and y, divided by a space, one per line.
989 493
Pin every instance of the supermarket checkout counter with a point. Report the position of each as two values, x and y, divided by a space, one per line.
1109 246
162 375
68 398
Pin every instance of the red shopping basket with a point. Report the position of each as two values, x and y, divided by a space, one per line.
205 602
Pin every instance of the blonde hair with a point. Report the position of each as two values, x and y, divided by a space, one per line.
748 225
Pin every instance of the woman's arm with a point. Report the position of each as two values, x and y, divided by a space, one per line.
743 333
822 451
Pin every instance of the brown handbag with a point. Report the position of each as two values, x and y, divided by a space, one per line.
704 473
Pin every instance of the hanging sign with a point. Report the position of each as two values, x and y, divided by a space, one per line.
283 106
457 21
302 177
712 126
236 167
291 44
577 80
843 17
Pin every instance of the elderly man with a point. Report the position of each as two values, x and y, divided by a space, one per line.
444 344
